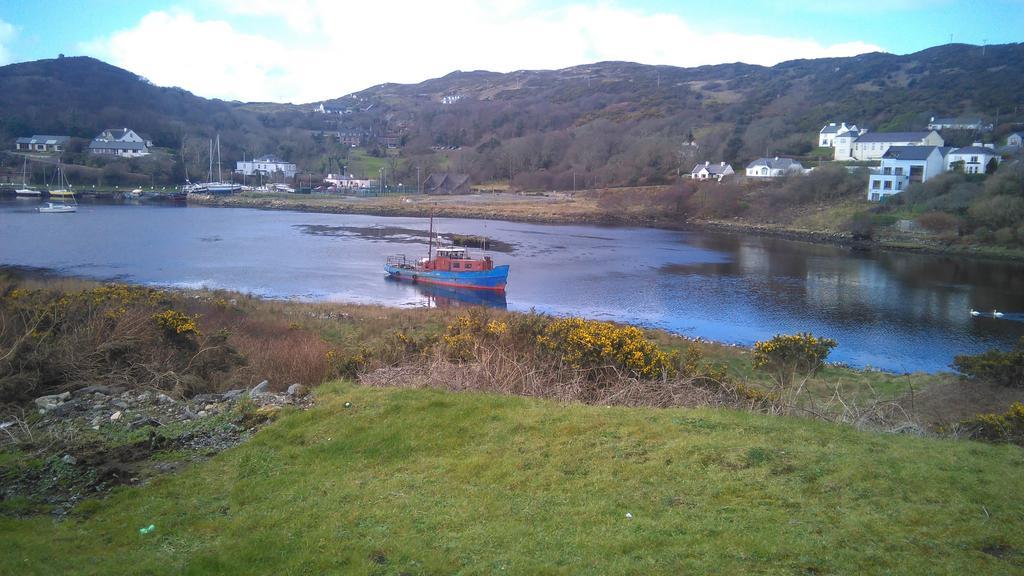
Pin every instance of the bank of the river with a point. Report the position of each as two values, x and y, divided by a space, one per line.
585 209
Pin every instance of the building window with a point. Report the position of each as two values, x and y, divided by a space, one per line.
876 184
899 185
899 171
875 196
887 171
888 185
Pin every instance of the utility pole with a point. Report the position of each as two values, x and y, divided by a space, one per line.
419 189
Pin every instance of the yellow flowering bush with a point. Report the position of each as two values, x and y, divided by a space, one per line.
591 344
1005 427
177 323
786 356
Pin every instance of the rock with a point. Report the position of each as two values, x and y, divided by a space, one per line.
206 398
116 416
297 390
97 389
120 404
69 460
143 422
203 414
233 394
47 403
165 399
210 408
65 408
261 388
145 397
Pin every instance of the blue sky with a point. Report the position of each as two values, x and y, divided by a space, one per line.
309 50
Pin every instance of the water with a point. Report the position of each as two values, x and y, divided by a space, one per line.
902 312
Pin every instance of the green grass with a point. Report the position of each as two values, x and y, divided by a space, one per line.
426 482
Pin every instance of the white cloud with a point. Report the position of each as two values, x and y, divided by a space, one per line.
321 49
7 34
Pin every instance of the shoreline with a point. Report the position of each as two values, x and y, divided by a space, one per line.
498 212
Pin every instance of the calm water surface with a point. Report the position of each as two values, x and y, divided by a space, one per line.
895 311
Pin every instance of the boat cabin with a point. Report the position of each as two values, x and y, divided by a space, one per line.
455 259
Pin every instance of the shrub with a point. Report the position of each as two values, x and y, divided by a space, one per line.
588 344
996 366
786 357
939 222
1006 427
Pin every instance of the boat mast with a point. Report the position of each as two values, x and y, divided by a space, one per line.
430 244
209 175
220 178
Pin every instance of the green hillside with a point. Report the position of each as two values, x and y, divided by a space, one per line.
428 482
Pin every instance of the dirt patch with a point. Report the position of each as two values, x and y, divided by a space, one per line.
944 403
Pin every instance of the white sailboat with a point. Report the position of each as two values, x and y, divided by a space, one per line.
218 187
25 190
62 191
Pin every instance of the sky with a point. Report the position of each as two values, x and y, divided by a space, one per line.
304 51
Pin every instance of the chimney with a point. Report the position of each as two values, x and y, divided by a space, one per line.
707 162
723 163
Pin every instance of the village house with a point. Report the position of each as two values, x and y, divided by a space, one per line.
972 159
902 165
709 171
1015 140
350 138
120 142
42 143
960 123
827 135
773 167
266 165
446 183
873 146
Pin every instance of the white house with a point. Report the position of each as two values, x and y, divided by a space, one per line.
773 167
828 133
873 146
902 165
350 182
266 165
1016 140
120 142
709 171
959 123
975 158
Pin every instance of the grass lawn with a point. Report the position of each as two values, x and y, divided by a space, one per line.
427 482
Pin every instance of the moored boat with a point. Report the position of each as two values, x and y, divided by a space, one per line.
57 208
451 266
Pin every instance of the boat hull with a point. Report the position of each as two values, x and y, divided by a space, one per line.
28 192
494 279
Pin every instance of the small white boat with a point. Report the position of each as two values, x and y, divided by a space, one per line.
25 190
55 208
137 193
28 192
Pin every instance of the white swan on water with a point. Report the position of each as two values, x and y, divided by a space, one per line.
997 314
975 312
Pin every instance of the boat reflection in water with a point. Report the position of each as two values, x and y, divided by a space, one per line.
447 297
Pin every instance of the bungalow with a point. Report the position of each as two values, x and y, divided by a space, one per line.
42 143
874 145
446 183
350 182
959 123
709 171
350 138
972 159
827 135
903 165
1015 140
773 167
120 142
266 165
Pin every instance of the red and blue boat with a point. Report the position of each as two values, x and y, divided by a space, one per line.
451 266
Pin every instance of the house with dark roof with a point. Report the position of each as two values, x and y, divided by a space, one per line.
873 145
120 142
903 165
828 133
959 123
42 143
709 171
972 159
446 183
773 167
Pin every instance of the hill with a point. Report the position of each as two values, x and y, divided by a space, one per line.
428 482
604 124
